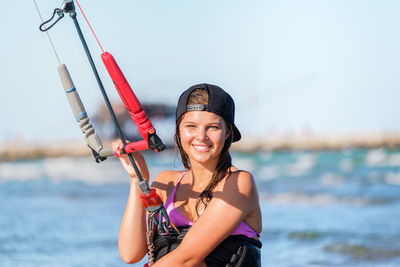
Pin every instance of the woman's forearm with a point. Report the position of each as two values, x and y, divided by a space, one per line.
132 233
180 258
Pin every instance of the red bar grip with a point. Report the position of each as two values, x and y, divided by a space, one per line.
129 98
136 146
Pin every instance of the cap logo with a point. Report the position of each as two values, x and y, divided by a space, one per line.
196 107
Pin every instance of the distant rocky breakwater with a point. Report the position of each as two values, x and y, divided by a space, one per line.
18 150
274 142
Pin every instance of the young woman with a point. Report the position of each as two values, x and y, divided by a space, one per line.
218 202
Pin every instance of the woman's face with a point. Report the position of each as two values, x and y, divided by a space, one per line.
202 135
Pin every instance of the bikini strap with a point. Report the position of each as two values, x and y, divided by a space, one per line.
171 197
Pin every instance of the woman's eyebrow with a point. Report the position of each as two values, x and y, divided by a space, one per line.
208 123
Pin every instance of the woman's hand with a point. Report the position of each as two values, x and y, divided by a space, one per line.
117 147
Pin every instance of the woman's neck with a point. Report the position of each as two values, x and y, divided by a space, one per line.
201 175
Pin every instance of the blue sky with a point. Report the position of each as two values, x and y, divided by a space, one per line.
329 65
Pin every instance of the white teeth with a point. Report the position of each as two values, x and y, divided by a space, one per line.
201 148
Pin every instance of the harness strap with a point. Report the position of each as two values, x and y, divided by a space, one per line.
150 226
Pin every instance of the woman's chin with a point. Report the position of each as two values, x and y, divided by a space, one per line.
202 158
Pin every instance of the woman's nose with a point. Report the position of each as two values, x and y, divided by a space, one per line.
201 133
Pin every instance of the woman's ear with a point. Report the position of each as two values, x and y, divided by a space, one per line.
228 133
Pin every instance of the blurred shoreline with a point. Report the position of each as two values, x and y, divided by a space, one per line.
312 141
23 150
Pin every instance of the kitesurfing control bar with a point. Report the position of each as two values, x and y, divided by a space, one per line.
152 202
103 92
157 206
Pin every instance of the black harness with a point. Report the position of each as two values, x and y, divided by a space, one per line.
234 251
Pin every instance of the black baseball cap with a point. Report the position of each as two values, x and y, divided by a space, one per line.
219 102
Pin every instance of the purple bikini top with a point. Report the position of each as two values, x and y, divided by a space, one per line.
179 220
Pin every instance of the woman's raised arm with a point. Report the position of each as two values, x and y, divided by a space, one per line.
132 233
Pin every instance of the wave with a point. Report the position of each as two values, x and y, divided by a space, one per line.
303 165
362 252
64 169
332 179
83 169
381 158
393 178
321 199
305 235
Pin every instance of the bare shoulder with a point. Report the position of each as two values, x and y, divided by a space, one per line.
165 182
240 190
167 176
240 181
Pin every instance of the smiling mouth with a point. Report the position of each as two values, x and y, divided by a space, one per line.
201 148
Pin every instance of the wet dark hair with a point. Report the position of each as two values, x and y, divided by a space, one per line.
222 170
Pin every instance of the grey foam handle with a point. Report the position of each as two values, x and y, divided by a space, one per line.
92 140
106 152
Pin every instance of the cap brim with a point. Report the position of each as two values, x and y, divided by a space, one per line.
236 133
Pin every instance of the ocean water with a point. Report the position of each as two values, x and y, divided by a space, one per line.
320 208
